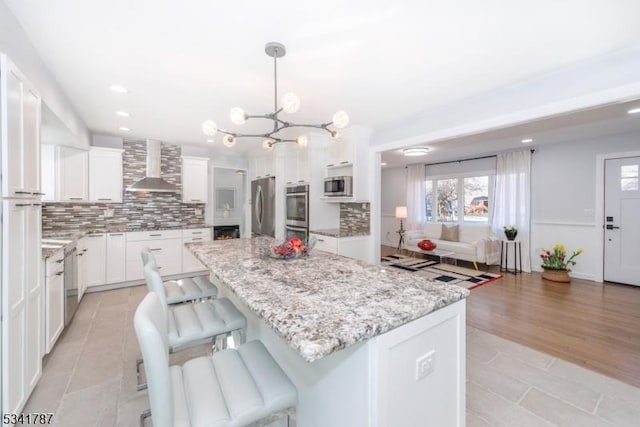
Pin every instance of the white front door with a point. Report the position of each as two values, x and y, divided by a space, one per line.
622 224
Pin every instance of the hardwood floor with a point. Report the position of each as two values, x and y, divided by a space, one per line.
591 324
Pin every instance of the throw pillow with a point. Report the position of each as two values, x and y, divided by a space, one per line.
450 233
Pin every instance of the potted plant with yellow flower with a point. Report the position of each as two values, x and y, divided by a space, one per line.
556 264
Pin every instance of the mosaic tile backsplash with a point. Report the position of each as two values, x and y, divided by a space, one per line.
138 210
354 218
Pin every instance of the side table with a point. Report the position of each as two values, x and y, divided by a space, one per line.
505 245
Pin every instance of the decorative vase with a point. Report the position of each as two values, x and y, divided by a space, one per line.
511 234
427 245
556 275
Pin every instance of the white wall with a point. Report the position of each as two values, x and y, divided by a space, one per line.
393 193
563 198
15 43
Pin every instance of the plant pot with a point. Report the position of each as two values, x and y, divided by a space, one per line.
511 235
556 275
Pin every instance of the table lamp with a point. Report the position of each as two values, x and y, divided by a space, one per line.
401 214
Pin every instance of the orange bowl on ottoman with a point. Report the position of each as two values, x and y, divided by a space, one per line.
427 245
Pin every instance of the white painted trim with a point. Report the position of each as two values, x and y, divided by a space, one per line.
589 277
565 223
599 209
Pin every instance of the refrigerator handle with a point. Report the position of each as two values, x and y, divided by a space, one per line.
259 208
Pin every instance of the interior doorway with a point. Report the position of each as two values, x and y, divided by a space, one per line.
621 225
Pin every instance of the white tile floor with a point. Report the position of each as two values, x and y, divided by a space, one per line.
89 377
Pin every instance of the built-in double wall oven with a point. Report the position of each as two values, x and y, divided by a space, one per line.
297 212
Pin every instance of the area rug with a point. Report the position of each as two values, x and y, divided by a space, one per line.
464 277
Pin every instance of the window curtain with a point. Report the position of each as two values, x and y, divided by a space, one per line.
416 197
512 200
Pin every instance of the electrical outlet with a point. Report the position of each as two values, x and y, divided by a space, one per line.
108 213
197 211
425 365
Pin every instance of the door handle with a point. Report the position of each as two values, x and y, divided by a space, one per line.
612 227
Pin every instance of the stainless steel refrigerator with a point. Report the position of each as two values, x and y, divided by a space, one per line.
263 199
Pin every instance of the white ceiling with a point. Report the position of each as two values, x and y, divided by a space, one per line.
380 61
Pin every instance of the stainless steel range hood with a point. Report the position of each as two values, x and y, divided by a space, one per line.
153 182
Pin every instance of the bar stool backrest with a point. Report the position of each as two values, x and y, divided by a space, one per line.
155 285
151 329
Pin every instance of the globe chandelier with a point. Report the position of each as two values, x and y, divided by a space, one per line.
290 103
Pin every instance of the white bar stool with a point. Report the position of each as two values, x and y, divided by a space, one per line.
229 388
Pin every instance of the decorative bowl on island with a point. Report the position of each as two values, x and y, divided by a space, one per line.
289 249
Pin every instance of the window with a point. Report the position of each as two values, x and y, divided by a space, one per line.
447 200
476 198
459 199
629 178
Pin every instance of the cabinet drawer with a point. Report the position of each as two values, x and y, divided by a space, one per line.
162 249
54 264
134 236
205 233
326 243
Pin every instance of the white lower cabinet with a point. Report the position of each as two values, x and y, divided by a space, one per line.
95 257
189 262
116 258
166 247
353 247
81 257
54 299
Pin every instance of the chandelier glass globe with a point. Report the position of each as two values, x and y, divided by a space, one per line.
228 141
267 144
209 127
340 119
302 140
237 115
290 102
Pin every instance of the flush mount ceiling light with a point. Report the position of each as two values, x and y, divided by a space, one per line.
415 151
290 103
634 111
123 114
124 129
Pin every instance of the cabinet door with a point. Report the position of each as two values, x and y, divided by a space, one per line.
35 320
14 306
268 165
105 175
31 137
195 180
116 258
54 300
73 174
95 259
48 172
81 257
189 262
304 171
291 169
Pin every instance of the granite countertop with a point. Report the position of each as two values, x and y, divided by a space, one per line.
76 234
335 232
325 302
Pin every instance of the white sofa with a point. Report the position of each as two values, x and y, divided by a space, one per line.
469 247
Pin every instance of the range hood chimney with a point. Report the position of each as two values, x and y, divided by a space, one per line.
153 182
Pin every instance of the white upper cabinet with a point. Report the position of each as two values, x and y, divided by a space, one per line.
105 175
340 153
297 169
263 166
72 173
195 179
21 139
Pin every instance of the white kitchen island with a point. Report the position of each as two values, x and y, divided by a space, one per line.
365 346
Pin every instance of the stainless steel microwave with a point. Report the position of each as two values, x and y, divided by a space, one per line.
338 186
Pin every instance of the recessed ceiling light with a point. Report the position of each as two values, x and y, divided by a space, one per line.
415 151
210 140
119 89
527 140
383 164
634 111
124 129
122 114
